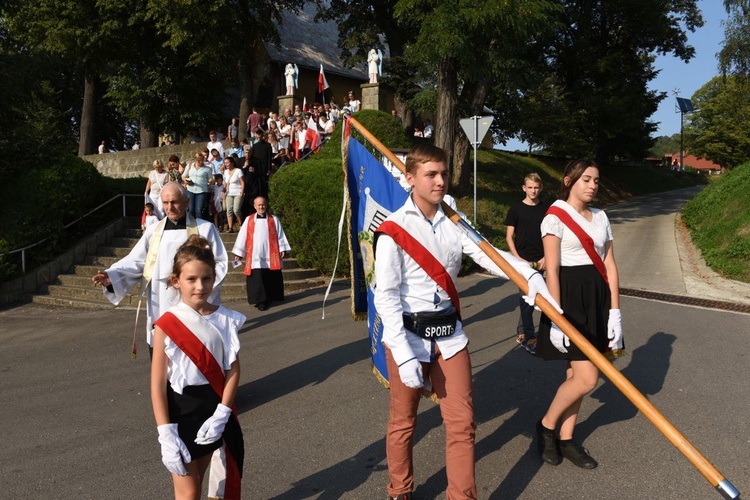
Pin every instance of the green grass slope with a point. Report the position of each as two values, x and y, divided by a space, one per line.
719 222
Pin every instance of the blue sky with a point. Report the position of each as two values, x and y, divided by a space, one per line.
688 77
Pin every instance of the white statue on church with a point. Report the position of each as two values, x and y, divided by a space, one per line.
375 65
291 74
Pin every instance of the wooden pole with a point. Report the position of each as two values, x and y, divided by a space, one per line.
613 374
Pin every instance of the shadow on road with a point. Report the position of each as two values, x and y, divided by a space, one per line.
516 387
311 371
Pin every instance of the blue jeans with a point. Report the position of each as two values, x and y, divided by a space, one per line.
526 321
197 204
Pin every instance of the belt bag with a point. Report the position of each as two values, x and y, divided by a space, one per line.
432 325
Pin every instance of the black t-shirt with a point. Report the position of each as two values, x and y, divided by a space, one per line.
527 219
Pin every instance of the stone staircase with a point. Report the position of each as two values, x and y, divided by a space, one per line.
75 289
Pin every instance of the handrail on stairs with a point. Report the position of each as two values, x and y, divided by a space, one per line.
23 250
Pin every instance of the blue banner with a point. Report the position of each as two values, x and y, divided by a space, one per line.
373 193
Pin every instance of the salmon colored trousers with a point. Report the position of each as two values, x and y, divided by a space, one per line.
451 381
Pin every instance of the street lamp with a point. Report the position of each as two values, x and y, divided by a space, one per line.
683 106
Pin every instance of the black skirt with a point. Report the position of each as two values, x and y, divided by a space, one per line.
585 299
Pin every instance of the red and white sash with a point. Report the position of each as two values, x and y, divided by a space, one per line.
423 257
273 245
202 343
583 237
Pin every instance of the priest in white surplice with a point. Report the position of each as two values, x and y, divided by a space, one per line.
151 259
261 238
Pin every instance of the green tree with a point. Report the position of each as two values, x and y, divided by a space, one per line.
467 46
717 130
665 145
154 83
75 32
224 33
596 66
734 56
363 24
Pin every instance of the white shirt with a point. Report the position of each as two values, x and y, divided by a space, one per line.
232 181
150 221
403 287
216 145
571 249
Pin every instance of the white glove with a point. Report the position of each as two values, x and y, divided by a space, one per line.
213 427
537 285
559 339
410 373
614 329
174 453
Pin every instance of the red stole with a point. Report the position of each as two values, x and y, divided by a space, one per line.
273 244
214 373
423 257
583 236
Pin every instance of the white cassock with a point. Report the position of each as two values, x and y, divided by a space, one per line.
261 247
264 285
126 273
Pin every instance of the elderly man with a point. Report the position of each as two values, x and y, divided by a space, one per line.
262 241
150 260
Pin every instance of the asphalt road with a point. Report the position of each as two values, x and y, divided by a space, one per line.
76 421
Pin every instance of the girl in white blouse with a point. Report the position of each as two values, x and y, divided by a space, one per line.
582 277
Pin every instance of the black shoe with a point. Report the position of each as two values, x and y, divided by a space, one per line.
547 443
531 346
577 454
262 306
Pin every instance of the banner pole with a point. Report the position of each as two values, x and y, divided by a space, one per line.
674 436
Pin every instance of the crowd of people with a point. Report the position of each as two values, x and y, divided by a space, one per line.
222 184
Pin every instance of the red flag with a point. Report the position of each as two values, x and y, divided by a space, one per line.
322 82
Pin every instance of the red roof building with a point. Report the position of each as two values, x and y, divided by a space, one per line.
699 164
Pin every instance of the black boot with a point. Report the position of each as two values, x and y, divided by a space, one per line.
577 454
547 443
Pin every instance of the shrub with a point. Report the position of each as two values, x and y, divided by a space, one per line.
40 202
308 195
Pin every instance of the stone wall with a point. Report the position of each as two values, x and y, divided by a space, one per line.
19 289
125 164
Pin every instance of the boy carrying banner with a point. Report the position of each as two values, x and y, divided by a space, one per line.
417 260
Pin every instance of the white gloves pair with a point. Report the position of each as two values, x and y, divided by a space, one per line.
614 333
174 453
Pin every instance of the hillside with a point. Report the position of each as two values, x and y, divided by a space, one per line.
719 223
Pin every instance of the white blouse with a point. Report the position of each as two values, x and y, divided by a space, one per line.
182 372
572 252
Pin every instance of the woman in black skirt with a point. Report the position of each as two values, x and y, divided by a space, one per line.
582 276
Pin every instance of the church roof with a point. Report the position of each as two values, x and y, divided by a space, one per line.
308 44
